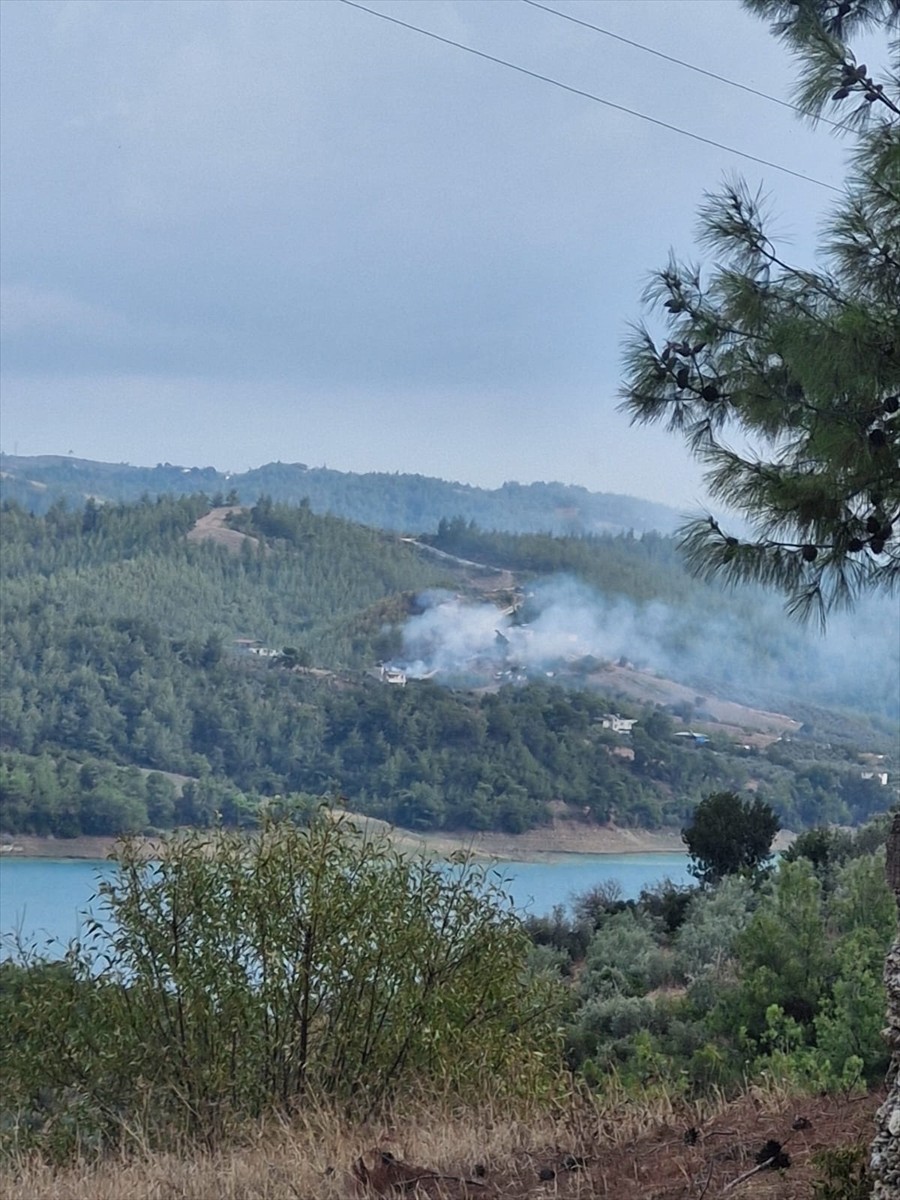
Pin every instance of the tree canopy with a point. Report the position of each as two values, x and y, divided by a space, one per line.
129 701
800 365
728 835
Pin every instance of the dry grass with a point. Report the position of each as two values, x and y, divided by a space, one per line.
623 1150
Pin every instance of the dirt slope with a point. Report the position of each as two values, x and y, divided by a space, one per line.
212 528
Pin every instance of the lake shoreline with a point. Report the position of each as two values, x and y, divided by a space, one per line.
559 840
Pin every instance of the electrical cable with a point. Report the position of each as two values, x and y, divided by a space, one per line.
502 62
679 61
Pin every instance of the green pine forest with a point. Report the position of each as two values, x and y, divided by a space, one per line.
130 702
400 502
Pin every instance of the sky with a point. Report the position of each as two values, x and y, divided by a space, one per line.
234 233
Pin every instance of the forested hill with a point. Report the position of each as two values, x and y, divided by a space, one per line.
165 663
404 503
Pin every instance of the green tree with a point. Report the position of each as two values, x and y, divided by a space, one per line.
799 365
161 795
704 945
850 1021
728 835
783 952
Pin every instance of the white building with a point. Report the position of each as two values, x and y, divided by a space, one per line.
618 724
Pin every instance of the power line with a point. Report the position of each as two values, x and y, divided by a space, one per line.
631 112
678 61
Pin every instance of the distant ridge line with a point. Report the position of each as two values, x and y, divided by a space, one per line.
399 502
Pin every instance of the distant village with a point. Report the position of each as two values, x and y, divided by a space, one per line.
495 671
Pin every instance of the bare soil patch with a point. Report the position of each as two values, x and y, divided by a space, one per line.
647 688
556 840
21 845
212 528
560 838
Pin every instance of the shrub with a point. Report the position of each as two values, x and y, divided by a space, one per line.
304 965
626 946
559 931
593 906
668 903
843 1174
705 942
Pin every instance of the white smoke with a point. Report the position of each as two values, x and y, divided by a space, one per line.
856 663
450 636
566 621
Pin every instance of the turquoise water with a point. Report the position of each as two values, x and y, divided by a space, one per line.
537 886
44 900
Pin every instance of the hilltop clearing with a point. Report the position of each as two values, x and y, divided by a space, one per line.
213 527
646 687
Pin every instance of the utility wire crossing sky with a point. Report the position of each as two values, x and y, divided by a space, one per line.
679 62
235 232
599 99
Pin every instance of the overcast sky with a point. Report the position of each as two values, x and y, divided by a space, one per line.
238 232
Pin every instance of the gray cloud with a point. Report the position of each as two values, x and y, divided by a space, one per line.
299 207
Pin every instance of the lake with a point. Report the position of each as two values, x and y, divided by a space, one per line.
42 899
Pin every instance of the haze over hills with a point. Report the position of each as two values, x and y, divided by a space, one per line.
400 502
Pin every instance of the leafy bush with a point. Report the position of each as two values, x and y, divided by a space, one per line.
668 903
624 949
594 905
704 945
559 932
844 1174
862 899
307 964
850 1020
605 1031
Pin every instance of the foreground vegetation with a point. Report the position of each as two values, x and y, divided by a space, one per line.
316 978
633 1148
769 974
307 965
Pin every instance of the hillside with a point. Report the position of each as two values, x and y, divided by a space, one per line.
403 503
253 651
